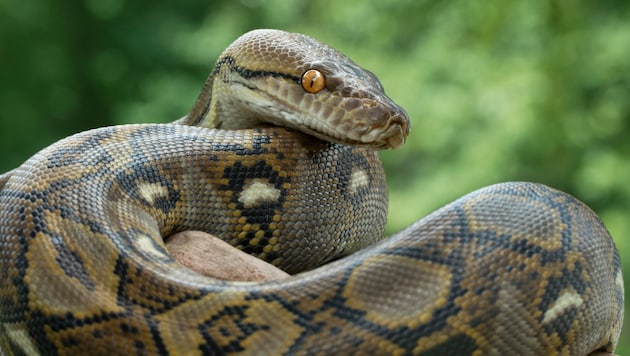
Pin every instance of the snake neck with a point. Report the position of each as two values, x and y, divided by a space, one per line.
221 105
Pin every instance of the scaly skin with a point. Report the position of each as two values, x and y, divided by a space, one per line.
515 268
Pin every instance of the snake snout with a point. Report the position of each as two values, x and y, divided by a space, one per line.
397 131
383 127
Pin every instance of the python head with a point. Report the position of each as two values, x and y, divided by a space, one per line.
292 80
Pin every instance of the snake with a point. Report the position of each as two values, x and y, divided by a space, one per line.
279 158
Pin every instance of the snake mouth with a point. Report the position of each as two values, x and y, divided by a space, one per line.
391 136
370 125
376 123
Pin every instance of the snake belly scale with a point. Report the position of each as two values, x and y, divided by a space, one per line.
514 268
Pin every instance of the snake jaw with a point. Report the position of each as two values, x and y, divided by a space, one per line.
375 127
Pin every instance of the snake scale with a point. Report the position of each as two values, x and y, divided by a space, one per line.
514 268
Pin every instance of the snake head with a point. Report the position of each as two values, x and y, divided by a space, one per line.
292 80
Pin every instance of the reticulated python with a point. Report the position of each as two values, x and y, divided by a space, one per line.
515 268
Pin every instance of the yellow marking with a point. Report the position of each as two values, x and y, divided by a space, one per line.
398 276
568 299
483 210
146 244
265 317
151 191
258 191
358 180
44 271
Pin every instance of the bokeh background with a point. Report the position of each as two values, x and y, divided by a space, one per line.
535 90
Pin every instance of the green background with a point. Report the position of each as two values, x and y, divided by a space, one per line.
497 90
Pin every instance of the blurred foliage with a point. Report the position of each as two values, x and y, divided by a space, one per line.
499 90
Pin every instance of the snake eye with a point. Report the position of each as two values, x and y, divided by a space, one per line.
313 81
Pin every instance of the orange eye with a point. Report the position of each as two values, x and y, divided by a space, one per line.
313 81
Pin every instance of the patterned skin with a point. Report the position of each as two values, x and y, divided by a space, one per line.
514 268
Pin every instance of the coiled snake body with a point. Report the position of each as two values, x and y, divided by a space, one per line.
515 268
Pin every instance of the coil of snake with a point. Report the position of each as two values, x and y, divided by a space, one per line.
515 268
